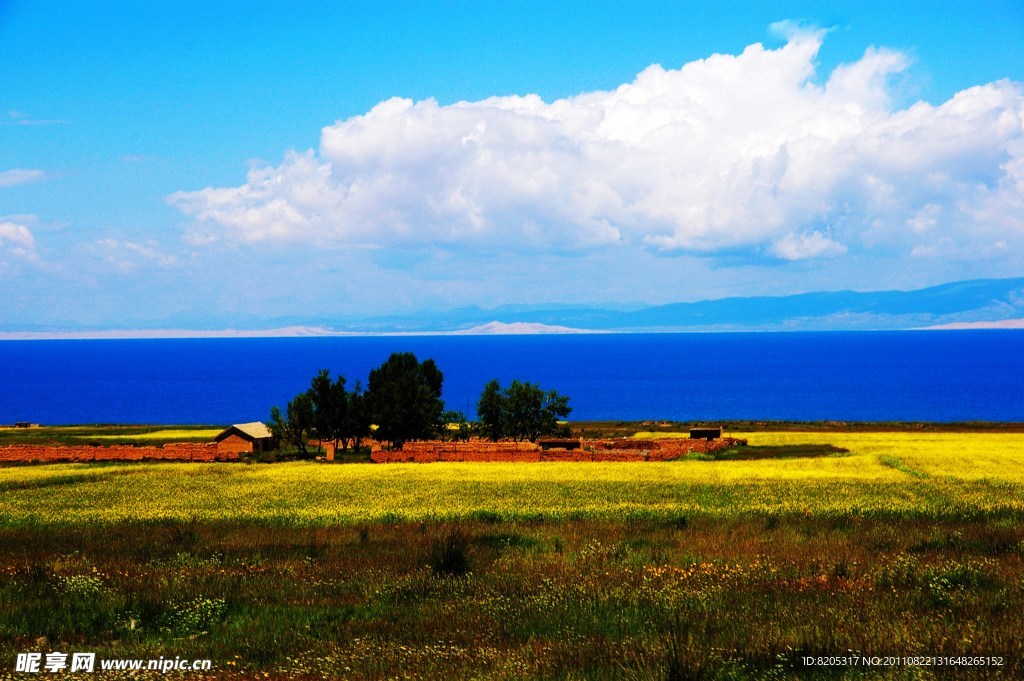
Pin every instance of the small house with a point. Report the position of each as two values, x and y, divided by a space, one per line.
706 433
245 438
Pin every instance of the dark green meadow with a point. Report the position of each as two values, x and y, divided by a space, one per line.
684 597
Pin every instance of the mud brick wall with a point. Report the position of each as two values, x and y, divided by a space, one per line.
639 450
474 450
671 447
626 449
233 444
182 451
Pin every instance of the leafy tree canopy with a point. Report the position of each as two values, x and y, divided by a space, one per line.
404 397
523 411
294 426
327 411
492 411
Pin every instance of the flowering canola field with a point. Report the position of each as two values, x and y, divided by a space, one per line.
909 547
942 475
161 435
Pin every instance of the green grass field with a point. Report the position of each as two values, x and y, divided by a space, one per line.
883 544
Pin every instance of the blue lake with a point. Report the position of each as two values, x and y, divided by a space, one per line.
869 376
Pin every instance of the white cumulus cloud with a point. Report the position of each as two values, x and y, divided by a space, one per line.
9 178
807 245
730 152
128 256
17 240
14 235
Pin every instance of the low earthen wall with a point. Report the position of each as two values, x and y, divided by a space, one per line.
474 450
626 449
180 451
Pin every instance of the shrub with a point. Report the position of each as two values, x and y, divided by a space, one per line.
449 554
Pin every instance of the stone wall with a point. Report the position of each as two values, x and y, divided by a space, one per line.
181 451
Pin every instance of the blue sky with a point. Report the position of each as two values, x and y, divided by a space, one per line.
197 164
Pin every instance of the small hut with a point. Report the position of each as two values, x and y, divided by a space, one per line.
244 438
706 433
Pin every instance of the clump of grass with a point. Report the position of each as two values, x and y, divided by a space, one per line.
770 452
486 516
678 522
898 464
507 540
194 617
449 554
901 572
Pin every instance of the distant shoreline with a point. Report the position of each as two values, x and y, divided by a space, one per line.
493 329
611 427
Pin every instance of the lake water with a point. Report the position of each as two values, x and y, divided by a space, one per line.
871 376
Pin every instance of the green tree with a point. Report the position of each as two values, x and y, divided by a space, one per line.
339 406
404 397
522 411
295 427
492 411
357 420
330 406
323 393
533 412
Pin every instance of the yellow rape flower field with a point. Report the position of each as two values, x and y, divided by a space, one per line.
927 475
162 435
831 555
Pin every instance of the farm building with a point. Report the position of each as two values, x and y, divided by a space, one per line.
245 437
706 433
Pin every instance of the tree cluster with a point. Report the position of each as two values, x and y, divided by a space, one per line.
522 411
327 411
403 401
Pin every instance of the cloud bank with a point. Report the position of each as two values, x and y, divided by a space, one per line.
733 153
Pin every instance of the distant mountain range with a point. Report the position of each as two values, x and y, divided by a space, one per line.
995 303
967 304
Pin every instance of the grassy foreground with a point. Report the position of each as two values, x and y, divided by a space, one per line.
904 545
